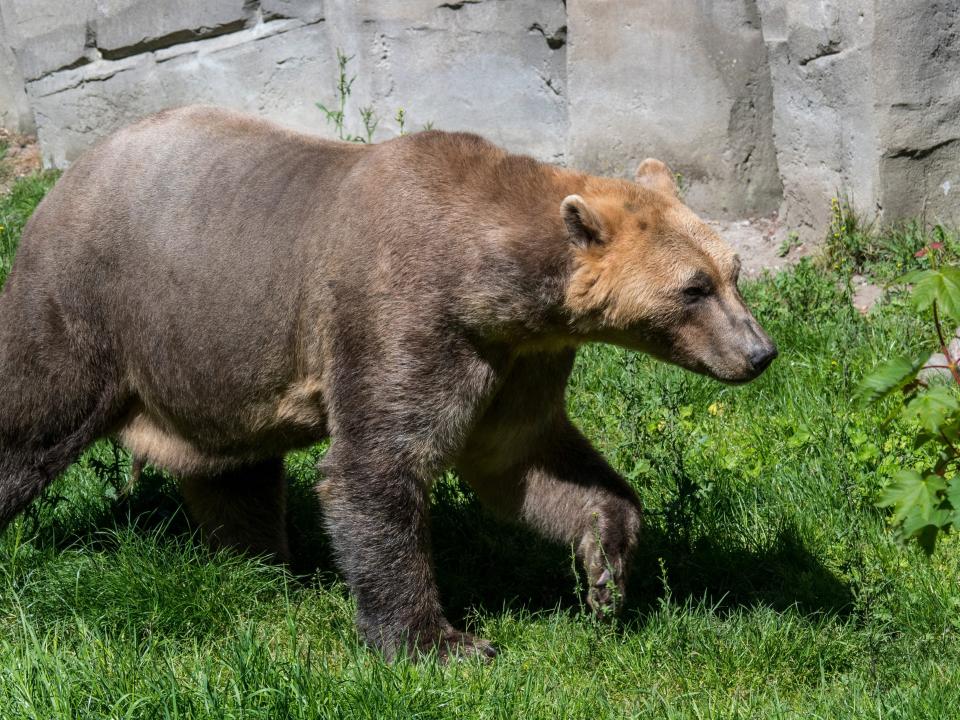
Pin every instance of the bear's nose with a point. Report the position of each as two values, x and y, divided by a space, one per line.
762 357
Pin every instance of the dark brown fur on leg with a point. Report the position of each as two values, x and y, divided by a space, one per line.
377 516
244 508
568 492
58 396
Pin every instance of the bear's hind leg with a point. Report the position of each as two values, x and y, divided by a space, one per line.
27 469
48 416
243 508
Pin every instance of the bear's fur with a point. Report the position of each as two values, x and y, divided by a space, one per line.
216 291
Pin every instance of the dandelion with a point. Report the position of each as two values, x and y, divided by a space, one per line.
715 409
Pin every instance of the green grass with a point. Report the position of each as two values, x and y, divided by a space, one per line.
767 583
15 209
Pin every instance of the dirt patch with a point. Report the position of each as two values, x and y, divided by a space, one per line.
865 293
764 245
761 243
21 157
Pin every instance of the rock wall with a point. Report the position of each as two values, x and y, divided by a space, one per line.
683 80
92 66
760 105
15 113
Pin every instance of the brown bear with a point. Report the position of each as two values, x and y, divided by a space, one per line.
215 291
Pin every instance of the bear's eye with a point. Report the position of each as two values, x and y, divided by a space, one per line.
694 293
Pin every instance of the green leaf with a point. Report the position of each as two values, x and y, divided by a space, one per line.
800 437
915 521
868 452
927 538
933 408
912 277
941 286
951 430
912 497
953 494
888 377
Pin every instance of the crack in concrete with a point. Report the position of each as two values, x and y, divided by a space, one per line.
457 5
556 40
919 153
178 37
103 69
84 79
78 63
823 51
548 81
255 34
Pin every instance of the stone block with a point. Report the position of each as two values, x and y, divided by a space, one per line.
495 68
15 112
916 76
48 35
127 27
266 70
683 81
820 64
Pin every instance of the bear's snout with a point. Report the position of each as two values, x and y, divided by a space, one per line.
761 358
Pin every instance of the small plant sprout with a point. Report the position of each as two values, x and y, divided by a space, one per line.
344 88
614 600
926 498
681 183
337 115
789 243
370 121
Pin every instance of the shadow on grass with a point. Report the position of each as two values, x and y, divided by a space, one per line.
486 565
152 506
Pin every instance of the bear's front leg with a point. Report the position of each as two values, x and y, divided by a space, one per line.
377 516
563 488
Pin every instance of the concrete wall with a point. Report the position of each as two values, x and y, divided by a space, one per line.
866 101
15 112
686 81
760 104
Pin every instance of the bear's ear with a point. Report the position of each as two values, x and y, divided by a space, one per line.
583 224
655 175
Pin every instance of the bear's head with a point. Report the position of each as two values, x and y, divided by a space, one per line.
649 275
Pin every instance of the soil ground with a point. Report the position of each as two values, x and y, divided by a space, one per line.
20 157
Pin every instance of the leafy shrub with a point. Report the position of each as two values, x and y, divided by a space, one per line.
925 497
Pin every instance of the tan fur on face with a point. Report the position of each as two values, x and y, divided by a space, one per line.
653 246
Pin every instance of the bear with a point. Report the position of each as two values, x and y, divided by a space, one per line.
214 290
